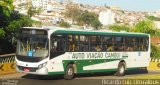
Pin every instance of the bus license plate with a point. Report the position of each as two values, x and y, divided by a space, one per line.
26 69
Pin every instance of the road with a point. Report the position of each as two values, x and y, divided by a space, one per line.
85 79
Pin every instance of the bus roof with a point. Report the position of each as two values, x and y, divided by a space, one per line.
60 30
84 32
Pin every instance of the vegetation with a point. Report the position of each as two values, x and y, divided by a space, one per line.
83 17
73 13
11 22
64 24
31 11
155 51
153 18
119 28
90 19
146 26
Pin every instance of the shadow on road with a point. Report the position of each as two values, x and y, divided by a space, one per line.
60 77
43 77
128 72
136 71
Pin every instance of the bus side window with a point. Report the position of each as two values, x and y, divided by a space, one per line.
71 46
58 43
73 43
53 44
110 48
83 43
98 48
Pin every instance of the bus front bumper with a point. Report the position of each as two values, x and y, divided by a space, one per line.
42 71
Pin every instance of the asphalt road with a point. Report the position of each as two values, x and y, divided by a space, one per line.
83 79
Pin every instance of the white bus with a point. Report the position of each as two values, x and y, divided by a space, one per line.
53 50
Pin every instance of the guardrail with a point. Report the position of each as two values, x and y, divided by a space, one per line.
7 64
154 64
155 59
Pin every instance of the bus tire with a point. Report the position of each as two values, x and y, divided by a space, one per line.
69 73
121 69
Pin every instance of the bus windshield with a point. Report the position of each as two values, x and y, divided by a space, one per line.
32 46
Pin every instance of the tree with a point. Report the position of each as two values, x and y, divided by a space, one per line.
119 28
2 32
96 24
87 18
90 19
10 23
153 18
155 51
31 11
146 26
5 8
64 24
73 13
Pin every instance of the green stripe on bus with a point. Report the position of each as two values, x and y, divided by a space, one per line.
99 33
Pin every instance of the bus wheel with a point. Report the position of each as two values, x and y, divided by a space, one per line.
121 69
69 73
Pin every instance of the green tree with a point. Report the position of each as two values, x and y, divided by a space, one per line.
119 28
153 18
146 26
73 13
155 51
86 18
5 11
89 18
10 23
2 33
31 11
96 24
64 24
82 17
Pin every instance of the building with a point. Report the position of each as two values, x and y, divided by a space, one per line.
36 3
157 24
107 17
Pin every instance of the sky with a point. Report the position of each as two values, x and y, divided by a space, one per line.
132 5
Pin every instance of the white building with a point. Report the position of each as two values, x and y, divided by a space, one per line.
40 4
36 3
158 13
107 17
157 24
22 1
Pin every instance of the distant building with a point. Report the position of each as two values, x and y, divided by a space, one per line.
115 8
158 13
107 17
15 3
36 3
157 24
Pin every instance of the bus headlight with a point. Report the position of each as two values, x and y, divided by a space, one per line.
42 65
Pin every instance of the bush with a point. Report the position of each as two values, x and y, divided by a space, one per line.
64 24
119 28
155 51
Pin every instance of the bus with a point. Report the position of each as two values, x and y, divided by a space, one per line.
55 50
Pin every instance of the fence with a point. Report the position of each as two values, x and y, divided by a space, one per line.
7 64
155 59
